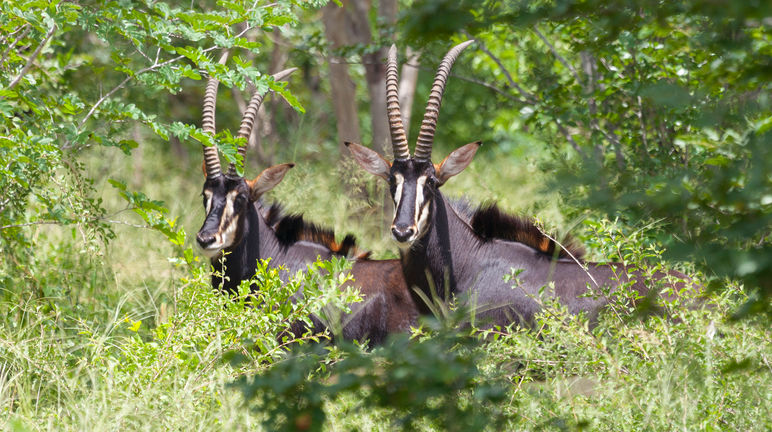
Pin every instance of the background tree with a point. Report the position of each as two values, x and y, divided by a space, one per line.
656 114
665 108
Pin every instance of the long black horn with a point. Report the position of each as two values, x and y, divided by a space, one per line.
398 136
211 159
423 148
248 120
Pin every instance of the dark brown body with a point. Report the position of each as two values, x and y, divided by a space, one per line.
500 267
388 306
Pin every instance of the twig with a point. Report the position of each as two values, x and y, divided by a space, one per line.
589 67
489 86
576 260
50 222
123 83
642 121
26 29
154 66
560 58
528 96
568 137
32 58
29 224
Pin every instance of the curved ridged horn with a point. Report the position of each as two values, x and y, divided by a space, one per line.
423 147
211 159
248 120
398 136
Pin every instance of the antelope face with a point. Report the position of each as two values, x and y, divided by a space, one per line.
413 180
413 185
225 201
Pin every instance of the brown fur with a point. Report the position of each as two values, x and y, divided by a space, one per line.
489 222
292 228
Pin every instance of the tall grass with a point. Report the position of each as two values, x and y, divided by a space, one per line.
118 337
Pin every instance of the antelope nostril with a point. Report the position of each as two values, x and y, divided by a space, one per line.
402 233
204 240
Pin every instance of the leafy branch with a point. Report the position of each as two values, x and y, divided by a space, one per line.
32 57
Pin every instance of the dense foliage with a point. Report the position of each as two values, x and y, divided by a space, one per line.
77 76
654 111
644 127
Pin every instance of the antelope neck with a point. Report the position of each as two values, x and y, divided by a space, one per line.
442 253
260 242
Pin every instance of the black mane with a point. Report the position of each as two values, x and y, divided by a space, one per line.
292 228
489 222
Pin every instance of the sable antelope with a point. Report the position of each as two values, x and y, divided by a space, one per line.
239 230
444 248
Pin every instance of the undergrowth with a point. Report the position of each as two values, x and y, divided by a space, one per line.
119 337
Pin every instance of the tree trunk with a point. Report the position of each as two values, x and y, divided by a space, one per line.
342 87
350 25
375 74
407 84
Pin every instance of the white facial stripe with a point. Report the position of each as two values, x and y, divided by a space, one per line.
208 197
422 225
398 193
419 199
225 234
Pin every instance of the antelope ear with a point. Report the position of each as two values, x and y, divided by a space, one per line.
370 160
267 180
456 161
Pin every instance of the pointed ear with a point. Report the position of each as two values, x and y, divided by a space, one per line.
456 161
267 180
370 160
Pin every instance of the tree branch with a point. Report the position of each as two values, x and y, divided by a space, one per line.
407 84
530 98
32 58
50 222
24 32
569 137
154 66
489 86
560 58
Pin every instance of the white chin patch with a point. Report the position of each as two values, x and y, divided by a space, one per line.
211 252
400 244
223 239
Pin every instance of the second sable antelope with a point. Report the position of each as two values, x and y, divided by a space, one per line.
446 249
238 230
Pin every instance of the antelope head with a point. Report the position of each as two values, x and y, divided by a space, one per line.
227 197
414 181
